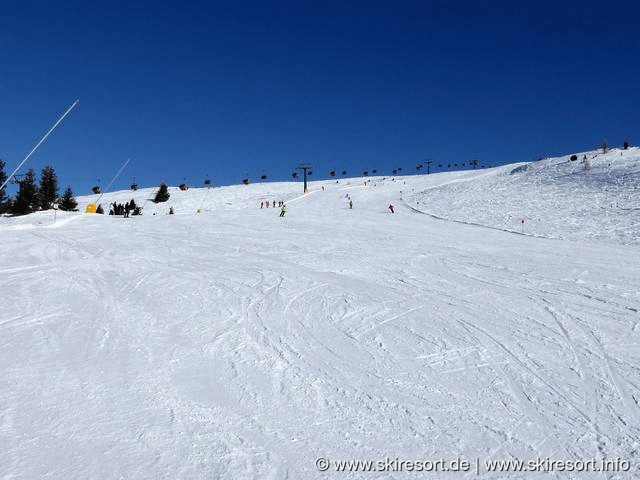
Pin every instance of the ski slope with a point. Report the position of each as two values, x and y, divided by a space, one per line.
236 344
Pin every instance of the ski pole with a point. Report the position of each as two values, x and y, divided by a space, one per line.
113 179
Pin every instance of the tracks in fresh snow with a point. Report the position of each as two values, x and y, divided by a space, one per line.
246 347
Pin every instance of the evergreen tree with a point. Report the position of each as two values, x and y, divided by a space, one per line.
100 210
68 203
3 177
27 197
7 207
162 195
48 192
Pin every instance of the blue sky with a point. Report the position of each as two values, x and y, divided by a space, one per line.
228 90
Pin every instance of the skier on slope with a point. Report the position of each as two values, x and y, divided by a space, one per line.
283 210
391 207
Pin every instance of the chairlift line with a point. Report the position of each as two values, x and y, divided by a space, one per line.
39 143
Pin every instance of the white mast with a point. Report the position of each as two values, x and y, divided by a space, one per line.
38 144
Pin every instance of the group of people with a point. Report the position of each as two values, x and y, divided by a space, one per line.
280 203
124 209
265 204
283 209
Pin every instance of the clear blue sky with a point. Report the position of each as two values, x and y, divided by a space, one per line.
234 89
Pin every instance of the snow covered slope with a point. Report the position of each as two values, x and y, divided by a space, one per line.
237 344
596 196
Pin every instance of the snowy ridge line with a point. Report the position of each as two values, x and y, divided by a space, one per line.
468 177
565 200
444 219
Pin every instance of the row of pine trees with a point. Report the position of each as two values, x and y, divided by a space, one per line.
33 196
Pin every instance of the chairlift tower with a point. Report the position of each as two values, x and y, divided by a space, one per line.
428 163
305 167
17 178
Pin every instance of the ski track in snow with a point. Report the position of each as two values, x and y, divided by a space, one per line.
237 344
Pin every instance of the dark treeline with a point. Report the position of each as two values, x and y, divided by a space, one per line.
32 195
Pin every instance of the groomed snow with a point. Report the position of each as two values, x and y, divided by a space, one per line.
237 344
